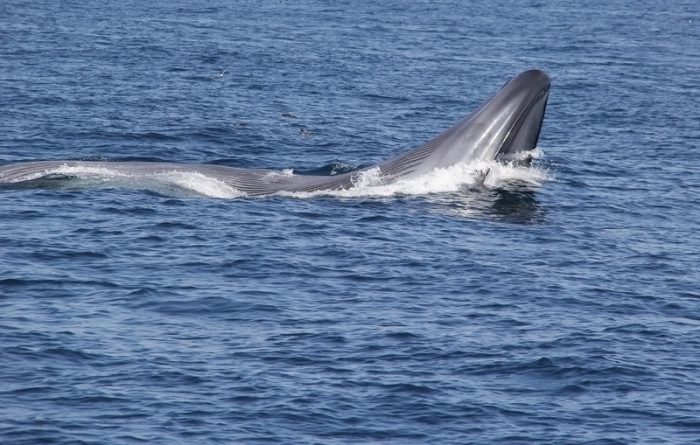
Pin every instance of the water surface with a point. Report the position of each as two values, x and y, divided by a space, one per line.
557 304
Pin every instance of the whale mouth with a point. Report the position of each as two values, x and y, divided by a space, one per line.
525 130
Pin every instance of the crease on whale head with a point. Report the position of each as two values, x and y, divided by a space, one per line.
504 127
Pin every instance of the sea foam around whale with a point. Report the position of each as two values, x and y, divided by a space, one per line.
367 183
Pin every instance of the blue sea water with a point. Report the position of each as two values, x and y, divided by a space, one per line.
557 304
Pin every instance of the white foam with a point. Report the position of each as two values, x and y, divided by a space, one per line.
193 182
87 172
275 176
367 183
491 174
200 184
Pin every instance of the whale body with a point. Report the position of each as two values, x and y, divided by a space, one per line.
505 127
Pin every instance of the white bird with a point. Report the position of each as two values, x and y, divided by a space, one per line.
219 76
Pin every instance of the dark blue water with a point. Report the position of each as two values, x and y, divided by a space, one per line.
558 304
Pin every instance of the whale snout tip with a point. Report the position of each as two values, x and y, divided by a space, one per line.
535 76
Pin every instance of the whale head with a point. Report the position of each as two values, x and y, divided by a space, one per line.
504 127
513 117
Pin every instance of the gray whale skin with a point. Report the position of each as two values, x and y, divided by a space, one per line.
502 128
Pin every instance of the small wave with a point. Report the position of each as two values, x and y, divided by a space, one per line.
333 168
461 176
273 175
201 184
171 182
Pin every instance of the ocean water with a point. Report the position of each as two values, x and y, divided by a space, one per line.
556 304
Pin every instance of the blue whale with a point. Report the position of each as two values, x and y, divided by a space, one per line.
505 127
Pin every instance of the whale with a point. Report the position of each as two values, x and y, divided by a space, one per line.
504 128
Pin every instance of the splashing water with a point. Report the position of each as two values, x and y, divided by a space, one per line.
169 183
490 174
367 183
